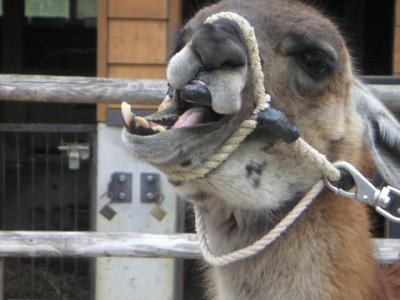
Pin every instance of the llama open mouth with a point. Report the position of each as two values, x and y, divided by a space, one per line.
188 107
188 125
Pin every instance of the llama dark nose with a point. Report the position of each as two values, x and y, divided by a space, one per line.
219 44
197 91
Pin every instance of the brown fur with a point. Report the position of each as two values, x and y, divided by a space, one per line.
353 273
392 276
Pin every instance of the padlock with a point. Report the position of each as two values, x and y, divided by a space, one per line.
158 213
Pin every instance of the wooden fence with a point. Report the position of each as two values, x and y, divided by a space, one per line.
98 244
58 89
101 244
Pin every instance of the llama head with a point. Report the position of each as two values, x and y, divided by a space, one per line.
308 73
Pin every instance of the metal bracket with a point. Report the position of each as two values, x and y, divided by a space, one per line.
149 187
120 187
75 153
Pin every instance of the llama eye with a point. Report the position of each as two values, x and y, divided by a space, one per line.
316 63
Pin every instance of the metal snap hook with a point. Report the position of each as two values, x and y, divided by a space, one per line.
389 194
366 192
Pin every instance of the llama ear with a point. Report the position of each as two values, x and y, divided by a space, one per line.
382 133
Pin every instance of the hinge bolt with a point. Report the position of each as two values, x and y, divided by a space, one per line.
121 196
150 178
122 178
150 196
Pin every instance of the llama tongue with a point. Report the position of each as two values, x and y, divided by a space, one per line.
191 117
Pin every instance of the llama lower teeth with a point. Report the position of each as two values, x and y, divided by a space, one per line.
159 128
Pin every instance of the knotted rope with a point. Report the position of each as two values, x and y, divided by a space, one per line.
300 146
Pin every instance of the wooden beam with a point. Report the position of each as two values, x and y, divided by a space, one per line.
36 88
387 250
396 63
174 21
397 12
102 38
149 9
96 244
388 94
101 244
175 14
102 47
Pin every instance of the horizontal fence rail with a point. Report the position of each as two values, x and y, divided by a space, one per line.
63 89
388 94
100 244
97 244
66 89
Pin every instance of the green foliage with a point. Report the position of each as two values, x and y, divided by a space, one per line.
47 8
87 8
57 8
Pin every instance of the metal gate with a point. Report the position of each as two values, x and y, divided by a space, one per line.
47 181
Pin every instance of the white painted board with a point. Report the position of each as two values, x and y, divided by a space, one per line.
131 278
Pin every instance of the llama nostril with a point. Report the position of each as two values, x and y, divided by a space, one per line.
218 45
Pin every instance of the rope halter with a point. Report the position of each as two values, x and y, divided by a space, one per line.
262 100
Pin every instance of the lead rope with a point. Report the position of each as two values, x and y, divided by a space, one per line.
262 243
300 146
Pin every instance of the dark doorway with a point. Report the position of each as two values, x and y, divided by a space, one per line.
48 37
368 27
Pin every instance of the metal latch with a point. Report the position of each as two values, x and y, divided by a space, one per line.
365 191
76 153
